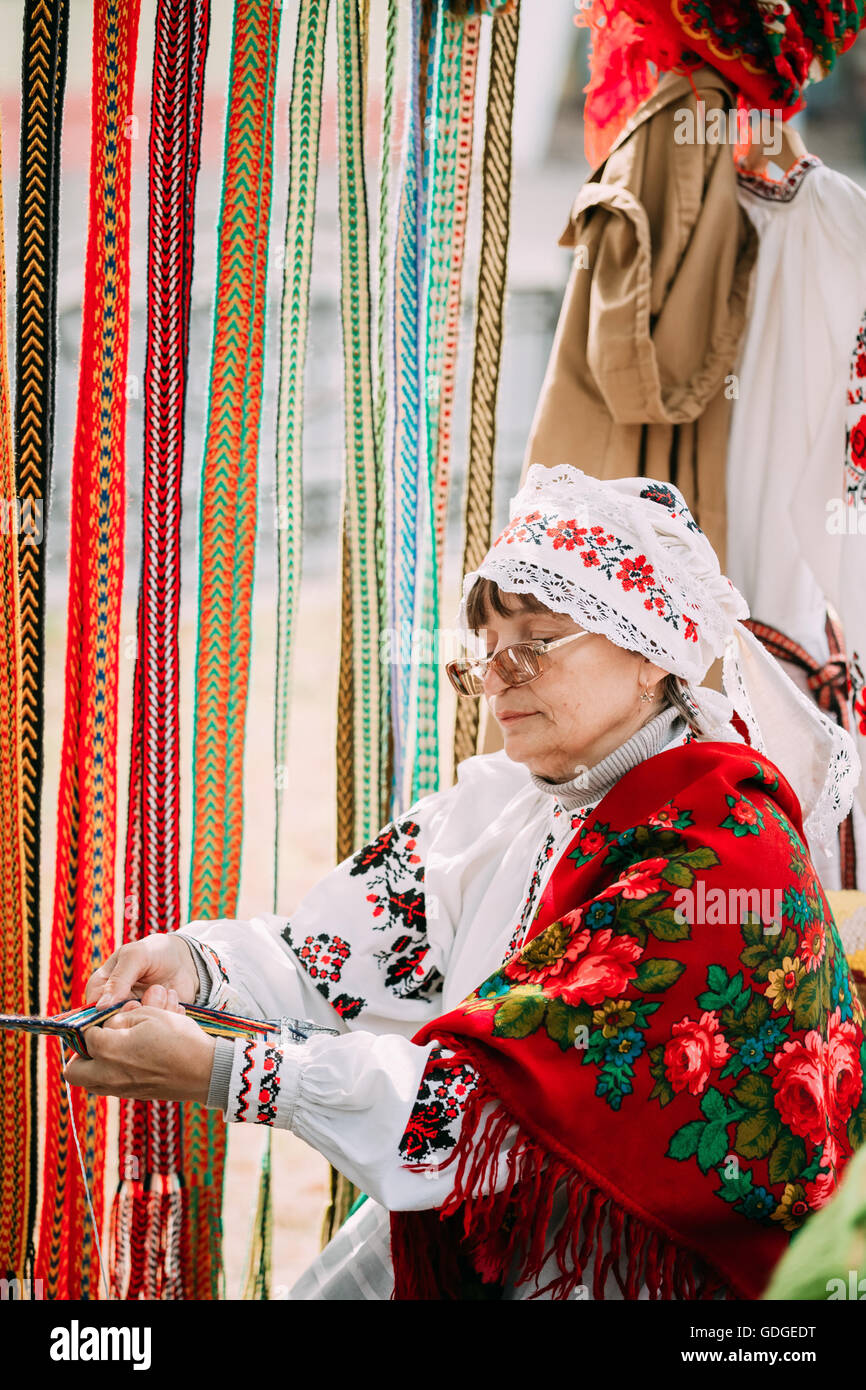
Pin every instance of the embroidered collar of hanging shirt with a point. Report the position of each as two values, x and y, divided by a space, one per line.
589 787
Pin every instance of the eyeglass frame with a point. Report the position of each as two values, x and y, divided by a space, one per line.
540 645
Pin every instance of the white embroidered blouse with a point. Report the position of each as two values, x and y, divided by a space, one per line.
395 935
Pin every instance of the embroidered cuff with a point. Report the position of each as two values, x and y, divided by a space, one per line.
220 994
221 1075
205 979
264 1083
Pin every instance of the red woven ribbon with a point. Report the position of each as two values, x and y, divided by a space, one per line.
83 921
148 1213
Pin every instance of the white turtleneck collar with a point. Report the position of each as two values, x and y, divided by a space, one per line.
590 786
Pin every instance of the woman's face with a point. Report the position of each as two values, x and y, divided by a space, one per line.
585 703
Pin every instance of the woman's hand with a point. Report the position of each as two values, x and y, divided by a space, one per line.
160 959
146 1052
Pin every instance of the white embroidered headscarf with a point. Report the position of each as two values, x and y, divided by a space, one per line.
626 558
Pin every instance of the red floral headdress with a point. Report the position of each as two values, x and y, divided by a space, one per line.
769 49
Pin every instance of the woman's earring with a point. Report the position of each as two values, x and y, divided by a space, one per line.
648 697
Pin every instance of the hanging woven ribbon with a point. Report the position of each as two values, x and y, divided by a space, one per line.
489 325
305 114
18 1114
227 534
83 928
359 716
384 303
428 297
461 39
147 1215
421 752
449 163
305 118
362 696
426 310
364 748
403 461
43 73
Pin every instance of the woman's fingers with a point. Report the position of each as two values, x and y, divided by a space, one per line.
97 1071
124 969
99 979
158 997
76 1072
129 1016
147 1053
159 962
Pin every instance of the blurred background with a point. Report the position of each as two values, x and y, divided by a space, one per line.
549 167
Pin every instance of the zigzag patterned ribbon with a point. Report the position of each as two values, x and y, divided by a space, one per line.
43 77
147 1216
83 928
460 42
358 775
422 735
443 79
406 442
364 749
227 534
449 160
362 698
489 325
380 402
427 277
18 1113
305 116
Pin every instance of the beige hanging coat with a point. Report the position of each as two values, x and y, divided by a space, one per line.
642 372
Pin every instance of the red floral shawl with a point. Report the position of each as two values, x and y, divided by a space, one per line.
690 1069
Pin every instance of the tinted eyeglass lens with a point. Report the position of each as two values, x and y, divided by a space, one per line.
514 665
464 682
517 664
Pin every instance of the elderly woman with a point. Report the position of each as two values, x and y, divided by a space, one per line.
592 1032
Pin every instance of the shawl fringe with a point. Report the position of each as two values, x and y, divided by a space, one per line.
505 1233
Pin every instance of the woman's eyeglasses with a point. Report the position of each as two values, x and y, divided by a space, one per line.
515 665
